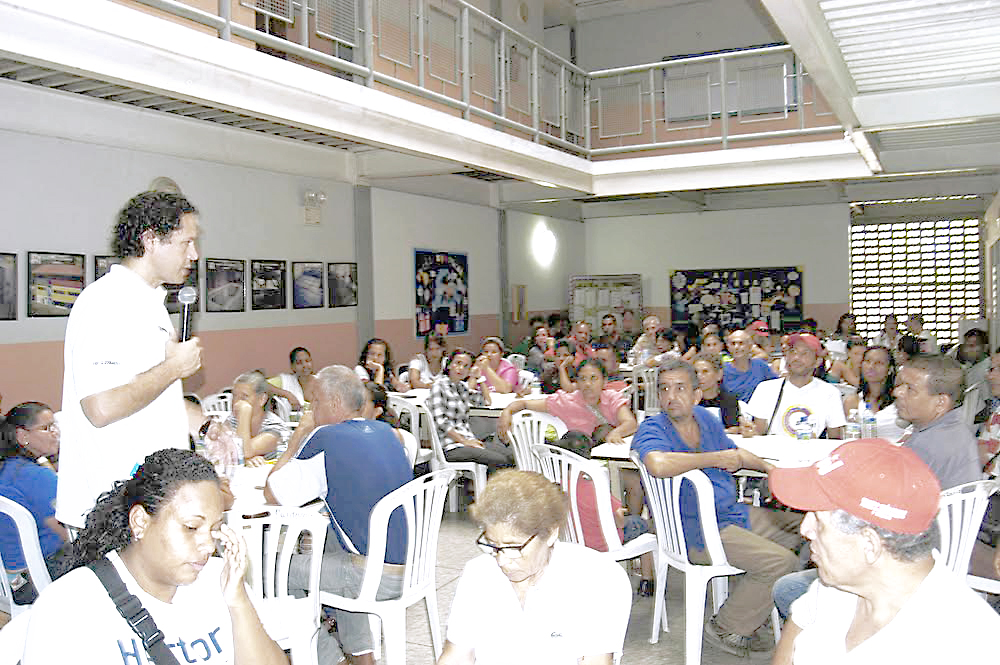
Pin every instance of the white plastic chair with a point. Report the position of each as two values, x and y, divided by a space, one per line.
663 496
27 534
13 636
645 378
959 517
439 463
517 360
272 537
219 404
566 469
422 502
528 428
400 405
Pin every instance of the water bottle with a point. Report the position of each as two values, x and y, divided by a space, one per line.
869 429
853 425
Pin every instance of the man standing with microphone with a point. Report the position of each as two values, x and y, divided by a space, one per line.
123 364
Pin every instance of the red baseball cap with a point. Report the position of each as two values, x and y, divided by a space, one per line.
883 484
809 340
760 327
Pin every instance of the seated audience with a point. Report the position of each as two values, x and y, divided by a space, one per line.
849 369
607 356
542 349
878 380
451 397
760 337
558 326
375 364
528 587
909 347
645 344
29 453
555 373
582 339
973 354
630 331
261 431
496 372
157 531
915 325
713 395
527 342
801 405
583 410
428 367
291 389
881 595
712 343
666 348
889 337
743 373
610 336
377 408
846 327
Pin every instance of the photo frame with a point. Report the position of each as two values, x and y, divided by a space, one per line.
441 287
343 281
267 284
173 306
225 285
55 280
103 263
307 284
8 287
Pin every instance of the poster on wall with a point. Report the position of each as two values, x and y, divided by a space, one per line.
737 296
54 282
343 279
225 285
8 287
267 285
307 284
442 286
103 263
173 306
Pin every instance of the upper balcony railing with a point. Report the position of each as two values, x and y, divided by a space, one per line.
449 55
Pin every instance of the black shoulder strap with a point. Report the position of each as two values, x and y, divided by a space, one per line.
133 612
781 391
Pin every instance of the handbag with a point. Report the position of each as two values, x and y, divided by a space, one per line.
133 612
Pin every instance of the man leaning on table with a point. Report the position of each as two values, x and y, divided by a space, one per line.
800 405
351 463
683 437
881 597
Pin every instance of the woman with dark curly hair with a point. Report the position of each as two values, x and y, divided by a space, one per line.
158 529
375 364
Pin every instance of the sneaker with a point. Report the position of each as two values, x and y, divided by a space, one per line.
646 588
738 645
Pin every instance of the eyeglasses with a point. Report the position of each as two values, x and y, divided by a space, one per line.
509 551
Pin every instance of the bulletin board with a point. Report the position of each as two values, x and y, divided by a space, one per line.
593 296
737 296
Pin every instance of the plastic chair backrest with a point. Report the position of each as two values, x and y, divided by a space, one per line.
644 378
27 534
517 360
970 401
401 405
663 497
436 446
422 503
573 472
528 429
13 636
217 404
959 517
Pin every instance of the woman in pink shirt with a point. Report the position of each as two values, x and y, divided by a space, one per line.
584 409
499 375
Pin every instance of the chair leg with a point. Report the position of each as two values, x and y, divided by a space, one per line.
776 624
659 602
694 608
394 628
435 622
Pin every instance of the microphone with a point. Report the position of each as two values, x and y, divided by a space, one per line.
186 297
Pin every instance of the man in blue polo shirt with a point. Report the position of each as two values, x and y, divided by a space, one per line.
351 463
683 437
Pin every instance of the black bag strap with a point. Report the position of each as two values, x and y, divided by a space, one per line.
133 612
777 403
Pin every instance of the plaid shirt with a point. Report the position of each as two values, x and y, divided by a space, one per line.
449 404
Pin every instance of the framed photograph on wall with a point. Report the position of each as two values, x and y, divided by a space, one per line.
307 284
103 263
8 287
173 289
54 282
343 280
441 284
225 285
267 284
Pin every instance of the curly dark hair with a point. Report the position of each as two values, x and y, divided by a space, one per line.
153 485
363 358
159 212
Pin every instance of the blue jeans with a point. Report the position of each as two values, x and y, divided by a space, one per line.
790 587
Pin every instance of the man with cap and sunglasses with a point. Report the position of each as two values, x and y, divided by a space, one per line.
881 596
800 405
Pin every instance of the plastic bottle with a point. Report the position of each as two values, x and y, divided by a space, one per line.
853 425
866 416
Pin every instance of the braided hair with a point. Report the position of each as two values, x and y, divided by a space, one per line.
154 484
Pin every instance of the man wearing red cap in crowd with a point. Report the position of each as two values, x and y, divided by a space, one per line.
881 597
760 335
800 405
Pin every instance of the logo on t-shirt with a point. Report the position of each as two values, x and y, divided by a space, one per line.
798 419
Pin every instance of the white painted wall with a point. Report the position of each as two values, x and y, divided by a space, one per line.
814 237
546 285
557 40
690 27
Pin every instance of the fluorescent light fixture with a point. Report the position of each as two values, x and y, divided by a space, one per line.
545 184
919 199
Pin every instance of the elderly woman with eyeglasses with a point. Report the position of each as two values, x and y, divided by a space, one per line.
529 598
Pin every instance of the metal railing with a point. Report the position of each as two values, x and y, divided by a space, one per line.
457 58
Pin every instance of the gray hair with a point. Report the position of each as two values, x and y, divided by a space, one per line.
254 379
678 365
945 375
339 382
907 547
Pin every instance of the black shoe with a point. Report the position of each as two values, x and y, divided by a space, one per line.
646 588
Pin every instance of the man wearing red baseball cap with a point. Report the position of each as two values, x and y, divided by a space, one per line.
800 405
881 596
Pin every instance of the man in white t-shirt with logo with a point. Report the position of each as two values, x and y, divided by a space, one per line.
800 405
122 397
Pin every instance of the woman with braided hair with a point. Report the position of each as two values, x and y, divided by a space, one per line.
158 530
